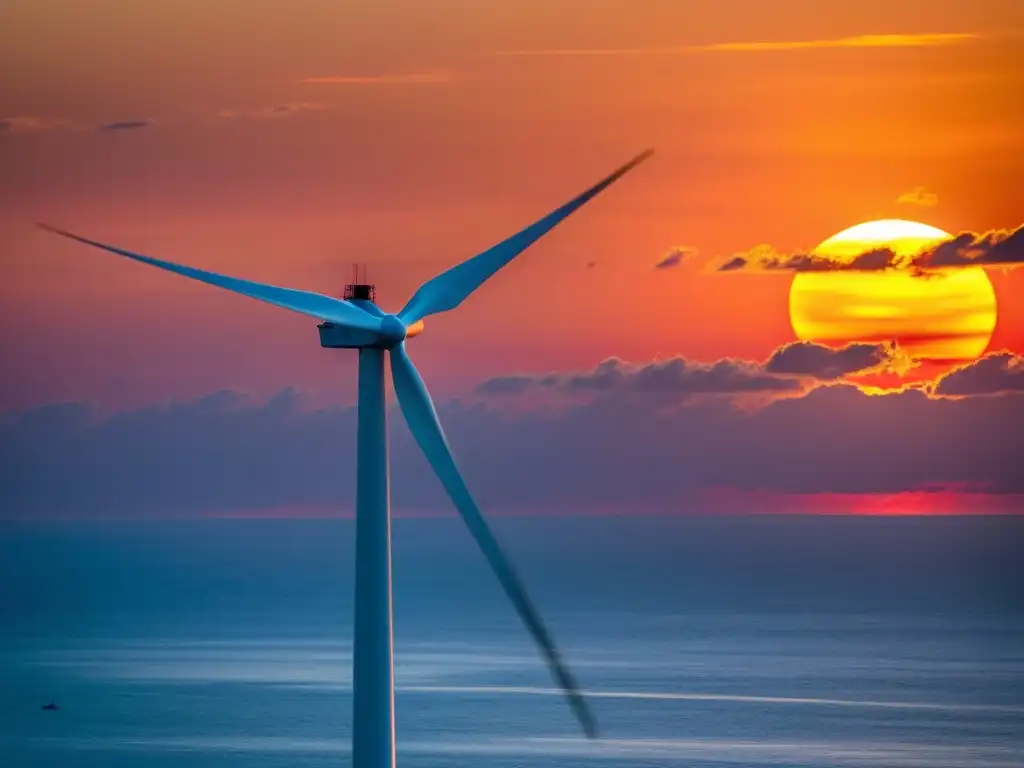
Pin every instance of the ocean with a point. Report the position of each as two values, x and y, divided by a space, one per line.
792 641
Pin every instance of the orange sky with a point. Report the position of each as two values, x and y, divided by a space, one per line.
291 139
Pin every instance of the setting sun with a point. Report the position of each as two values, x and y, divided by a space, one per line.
944 315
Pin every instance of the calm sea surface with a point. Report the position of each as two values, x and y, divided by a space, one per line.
739 641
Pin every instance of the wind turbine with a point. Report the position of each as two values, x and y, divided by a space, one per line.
356 322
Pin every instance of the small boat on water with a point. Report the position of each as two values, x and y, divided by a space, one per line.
50 707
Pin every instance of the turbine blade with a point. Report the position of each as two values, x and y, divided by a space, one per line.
418 409
305 302
449 289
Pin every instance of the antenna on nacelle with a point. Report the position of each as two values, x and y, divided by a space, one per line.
360 289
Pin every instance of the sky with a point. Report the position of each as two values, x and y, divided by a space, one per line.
283 142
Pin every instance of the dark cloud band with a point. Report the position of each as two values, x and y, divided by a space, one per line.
677 376
225 452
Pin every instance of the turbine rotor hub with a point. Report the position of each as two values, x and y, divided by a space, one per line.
392 330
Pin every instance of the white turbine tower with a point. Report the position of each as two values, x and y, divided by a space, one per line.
357 323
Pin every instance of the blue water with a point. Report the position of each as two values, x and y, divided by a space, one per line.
741 641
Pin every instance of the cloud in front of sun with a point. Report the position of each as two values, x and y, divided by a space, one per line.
894 280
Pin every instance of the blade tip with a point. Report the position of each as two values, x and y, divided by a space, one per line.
54 230
637 160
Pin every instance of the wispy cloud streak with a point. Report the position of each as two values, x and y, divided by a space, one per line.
919 40
916 40
127 125
438 76
918 196
276 111
35 123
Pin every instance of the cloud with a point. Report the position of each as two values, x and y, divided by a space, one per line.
228 452
676 377
994 374
1000 247
34 123
681 378
994 248
919 196
276 111
127 125
735 263
675 257
914 40
764 258
437 76
805 358
284 110
917 40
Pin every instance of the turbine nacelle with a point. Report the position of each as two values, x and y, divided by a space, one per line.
391 333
